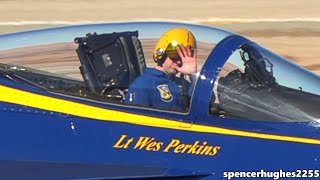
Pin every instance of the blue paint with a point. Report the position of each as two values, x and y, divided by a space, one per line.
48 138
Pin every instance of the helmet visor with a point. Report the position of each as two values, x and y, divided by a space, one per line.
172 51
172 54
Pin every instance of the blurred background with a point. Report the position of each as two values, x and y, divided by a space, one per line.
290 28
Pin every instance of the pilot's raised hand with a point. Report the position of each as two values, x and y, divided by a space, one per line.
188 60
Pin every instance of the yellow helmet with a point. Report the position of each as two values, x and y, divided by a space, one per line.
170 41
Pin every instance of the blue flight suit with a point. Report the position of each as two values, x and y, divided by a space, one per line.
156 89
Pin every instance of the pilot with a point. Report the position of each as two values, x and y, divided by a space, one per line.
159 87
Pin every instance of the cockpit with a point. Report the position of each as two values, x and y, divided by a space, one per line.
99 62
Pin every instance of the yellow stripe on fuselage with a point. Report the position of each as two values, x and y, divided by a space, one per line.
24 98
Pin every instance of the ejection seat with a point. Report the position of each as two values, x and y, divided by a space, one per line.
110 62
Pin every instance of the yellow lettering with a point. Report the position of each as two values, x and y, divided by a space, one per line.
142 142
117 145
215 150
158 146
179 148
186 148
173 143
151 146
206 150
128 143
201 147
194 147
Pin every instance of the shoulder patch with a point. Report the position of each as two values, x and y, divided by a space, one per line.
165 93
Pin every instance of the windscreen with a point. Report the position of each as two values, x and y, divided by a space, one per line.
256 84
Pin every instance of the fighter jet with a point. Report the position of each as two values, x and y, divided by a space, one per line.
63 112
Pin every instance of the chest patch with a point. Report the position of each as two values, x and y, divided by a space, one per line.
165 93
